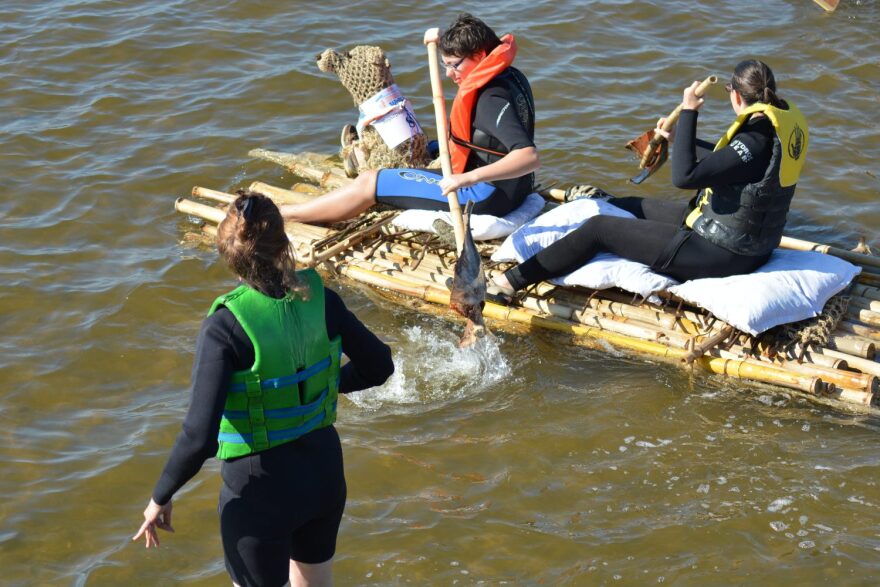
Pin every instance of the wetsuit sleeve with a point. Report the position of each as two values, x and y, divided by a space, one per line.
744 160
370 358
496 116
215 360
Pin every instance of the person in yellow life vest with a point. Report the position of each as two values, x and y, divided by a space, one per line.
265 382
745 185
491 144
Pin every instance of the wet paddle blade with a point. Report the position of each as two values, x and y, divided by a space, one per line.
828 5
651 152
469 286
655 161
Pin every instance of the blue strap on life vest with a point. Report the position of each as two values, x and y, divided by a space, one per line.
273 435
287 380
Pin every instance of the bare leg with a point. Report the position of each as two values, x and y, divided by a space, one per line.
340 204
305 575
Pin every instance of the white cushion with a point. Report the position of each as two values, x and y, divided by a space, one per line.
791 286
483 226
603 271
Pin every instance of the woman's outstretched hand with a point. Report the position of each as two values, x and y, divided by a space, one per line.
155 516
689 99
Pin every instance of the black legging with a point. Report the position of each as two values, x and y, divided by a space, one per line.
655 237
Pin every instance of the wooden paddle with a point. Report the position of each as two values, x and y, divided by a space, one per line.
442 136
828 5
652 148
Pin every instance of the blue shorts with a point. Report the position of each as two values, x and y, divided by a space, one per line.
419 189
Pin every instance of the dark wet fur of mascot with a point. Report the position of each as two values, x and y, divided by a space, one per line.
469 287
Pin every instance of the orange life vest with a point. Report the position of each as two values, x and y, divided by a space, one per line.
465 100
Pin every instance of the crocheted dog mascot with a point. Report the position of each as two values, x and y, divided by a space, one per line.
366 73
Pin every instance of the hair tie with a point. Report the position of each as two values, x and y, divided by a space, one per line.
244 207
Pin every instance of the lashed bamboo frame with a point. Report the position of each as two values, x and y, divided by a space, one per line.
373 255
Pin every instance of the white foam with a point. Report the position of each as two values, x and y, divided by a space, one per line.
430 368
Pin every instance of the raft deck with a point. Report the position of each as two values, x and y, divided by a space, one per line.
413 268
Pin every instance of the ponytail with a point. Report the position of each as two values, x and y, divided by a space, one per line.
755 82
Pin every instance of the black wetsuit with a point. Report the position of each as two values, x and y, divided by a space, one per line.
286 502
497 115
657 236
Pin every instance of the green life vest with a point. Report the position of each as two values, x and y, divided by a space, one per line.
749 219
292 387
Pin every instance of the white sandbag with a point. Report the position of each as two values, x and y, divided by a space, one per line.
603 271
483 226
791 286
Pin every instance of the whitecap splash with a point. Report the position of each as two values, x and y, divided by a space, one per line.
430 368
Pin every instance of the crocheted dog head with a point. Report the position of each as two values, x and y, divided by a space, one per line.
363 71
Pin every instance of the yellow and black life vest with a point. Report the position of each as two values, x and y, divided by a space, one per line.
748 219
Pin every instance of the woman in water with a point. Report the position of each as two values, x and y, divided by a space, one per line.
264 391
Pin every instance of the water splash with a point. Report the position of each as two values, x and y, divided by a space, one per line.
431 369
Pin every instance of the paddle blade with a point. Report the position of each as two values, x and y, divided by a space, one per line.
828 5
649 152
639 146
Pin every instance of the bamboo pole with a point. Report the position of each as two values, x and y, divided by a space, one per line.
323 173
839 377
732 367
863 315
853 362
866 291
200 192
856 258
349 242
852 345
209 213
859 330
864 304
281 195
442 134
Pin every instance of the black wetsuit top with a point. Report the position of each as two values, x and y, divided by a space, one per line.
496 115
223 347
743 160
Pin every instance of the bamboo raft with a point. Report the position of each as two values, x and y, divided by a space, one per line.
413 268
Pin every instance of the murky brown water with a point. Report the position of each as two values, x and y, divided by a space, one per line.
538 463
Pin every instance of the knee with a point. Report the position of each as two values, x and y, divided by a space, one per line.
365 185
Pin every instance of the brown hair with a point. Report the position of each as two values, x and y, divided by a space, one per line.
252 242
755 82
467 36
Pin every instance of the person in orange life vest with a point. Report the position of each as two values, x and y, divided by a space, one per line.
492 143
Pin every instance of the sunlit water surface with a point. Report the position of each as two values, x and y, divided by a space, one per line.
527 461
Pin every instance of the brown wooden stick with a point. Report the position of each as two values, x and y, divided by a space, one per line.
442 134
669 121
700 349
